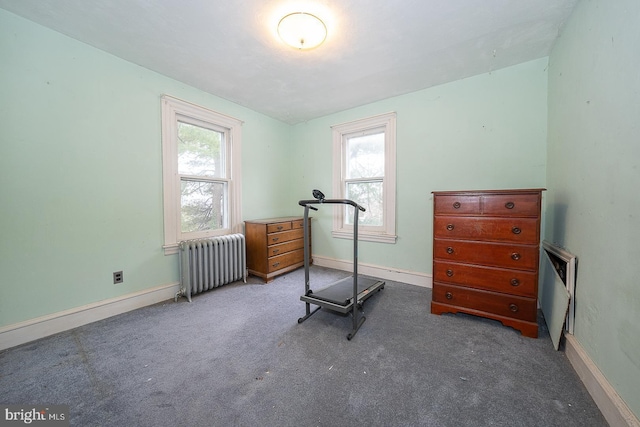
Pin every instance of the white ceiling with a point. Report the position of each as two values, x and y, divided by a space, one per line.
375 49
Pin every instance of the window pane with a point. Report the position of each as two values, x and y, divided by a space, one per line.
369 195
203 205
365 156
200 151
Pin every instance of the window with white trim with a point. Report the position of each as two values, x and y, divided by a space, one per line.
364 170
201 173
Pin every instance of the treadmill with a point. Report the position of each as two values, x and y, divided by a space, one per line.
346 295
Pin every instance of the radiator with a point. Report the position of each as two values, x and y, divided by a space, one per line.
208 263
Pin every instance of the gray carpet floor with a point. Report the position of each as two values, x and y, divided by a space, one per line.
236 356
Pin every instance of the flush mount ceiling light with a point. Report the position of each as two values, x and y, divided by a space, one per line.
302 30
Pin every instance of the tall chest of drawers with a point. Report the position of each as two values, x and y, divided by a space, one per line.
486 249
275 246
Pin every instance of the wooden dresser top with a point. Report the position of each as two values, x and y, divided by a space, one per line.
514 191
272 220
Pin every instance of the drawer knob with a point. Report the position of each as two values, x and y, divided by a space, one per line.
449 272
275 251
450 227
515 256
275 239
279 227
456 205
509 205
448 295
275 264
515 282
449 250
513 308
516 230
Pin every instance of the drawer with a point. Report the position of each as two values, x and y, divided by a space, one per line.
285 236
299 223
285 247
522 257
456 205
285 260
502 280
511 205
279 226
512 306
516 230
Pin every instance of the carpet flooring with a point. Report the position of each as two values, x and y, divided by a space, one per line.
236 356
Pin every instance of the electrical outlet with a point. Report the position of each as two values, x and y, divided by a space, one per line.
117 277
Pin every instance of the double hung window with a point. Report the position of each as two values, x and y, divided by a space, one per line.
201 172
364 171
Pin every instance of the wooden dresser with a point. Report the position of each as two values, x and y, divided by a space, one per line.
486 247
275 246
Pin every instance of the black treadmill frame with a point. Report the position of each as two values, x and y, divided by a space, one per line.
350 303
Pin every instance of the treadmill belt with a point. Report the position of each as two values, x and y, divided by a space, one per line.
341 292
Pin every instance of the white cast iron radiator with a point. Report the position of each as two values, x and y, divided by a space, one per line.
208 263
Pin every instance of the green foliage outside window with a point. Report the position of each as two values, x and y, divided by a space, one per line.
201 164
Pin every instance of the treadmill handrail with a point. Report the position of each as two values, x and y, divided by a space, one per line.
331 201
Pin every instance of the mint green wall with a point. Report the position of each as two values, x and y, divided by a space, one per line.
483 132
594 175
81 171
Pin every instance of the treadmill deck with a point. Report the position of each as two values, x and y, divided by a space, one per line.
339 295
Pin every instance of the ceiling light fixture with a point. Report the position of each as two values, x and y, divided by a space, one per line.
302 30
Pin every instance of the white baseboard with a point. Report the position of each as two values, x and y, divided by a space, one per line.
614 409
40 327
404 276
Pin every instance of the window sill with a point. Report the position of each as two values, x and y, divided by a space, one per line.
367 237
171 249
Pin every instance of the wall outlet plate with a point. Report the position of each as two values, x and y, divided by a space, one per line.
118 277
